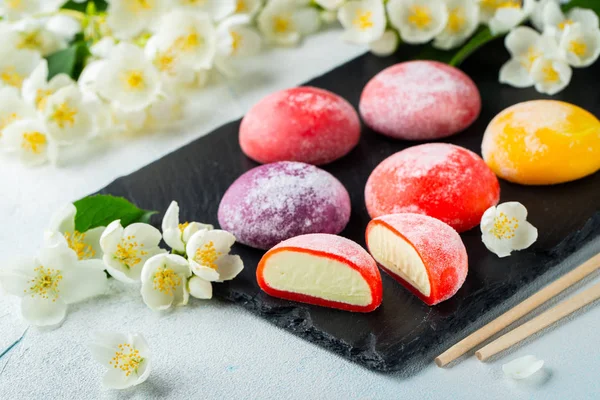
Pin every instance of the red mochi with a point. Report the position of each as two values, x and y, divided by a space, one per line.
420 100
441 180
304 124
324 270
422 253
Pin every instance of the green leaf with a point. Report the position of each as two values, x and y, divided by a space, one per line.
593 5
68 61
101 210
481 37
101 5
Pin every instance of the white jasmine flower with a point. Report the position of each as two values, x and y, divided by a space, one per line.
189 36
127 78
126 358
13 108
217 9
51 281
555 22
235 37
247 7
463 20
29 140
525 45
580 47
503 15
386 44
164 111
537 14
177 234
505 228
331 5
550 75
16 66
170 63
328 16
418 21
282 22
164 281
208 254
36 89
127 249
200 288
32 34
129 18
363 20
103 47
85 244
522 367
64 26
14 9
66 116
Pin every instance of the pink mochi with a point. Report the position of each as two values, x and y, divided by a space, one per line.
304 124
420 100
278 201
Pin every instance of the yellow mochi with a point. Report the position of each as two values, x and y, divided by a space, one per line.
542 142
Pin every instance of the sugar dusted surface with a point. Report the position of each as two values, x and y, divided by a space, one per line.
300 124
440 248
277 201
441 180
420 100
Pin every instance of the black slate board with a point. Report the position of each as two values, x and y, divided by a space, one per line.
403 333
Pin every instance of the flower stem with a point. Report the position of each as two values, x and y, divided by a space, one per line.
482 37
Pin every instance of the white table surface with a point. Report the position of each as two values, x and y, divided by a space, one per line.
216 350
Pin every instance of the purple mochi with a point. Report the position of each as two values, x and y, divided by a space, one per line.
275 202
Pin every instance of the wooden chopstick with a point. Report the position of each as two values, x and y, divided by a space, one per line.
519 311
540 322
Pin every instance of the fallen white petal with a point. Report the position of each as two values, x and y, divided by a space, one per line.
523 367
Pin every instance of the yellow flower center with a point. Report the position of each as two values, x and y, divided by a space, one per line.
11 77
166 281
134 80
183 226
509 4
493 5
564 24
189 42
207 255
127 359
420 16
45 284
140 5
363 20
7 120
236 41
456 20
530 57
165 61
41 98
504 227
550 74
30 41
281 24
241 7
75 240
578 47
193 2
64 115
129 252
33 142
14 4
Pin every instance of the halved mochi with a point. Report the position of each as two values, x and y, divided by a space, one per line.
321 269
422 253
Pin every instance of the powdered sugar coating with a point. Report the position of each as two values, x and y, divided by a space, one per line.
441 180
420 100
542 142
304 124
277 201
440 247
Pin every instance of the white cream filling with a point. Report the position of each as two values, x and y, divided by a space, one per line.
316 276
399 257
